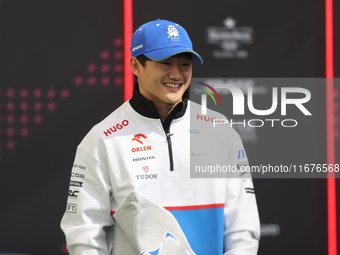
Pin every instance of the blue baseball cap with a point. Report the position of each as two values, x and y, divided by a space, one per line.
162 39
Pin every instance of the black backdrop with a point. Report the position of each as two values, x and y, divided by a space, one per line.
61 72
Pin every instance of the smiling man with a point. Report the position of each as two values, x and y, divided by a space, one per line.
131 191
164 82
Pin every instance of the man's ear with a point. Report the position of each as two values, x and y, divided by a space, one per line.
135 66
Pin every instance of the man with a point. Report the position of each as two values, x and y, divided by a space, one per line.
131 191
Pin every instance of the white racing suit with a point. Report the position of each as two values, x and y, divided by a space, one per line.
131 192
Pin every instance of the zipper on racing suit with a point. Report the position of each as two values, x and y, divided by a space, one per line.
166 128
148 109
168 138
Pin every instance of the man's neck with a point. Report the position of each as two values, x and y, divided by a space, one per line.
165 109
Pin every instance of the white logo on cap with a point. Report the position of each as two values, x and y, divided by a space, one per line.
137 47
172 31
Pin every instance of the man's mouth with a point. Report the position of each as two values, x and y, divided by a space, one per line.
171 85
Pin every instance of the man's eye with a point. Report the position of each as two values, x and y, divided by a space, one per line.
165 63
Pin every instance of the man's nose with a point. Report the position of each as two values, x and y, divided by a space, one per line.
175 72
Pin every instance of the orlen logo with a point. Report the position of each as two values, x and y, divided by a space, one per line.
138 149
137 137
116 127
204 97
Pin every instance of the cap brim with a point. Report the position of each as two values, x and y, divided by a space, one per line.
161 54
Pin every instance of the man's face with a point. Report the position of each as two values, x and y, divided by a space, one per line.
164 82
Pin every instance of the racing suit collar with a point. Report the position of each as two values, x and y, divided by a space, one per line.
148 108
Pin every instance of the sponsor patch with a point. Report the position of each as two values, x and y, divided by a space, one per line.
242 165
76 184
250 190
172 33
71 208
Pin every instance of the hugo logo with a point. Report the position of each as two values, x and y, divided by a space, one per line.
137 137
116 127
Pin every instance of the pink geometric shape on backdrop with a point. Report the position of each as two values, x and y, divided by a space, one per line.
10 145
65 93
10 119
118 55
91 67
78 80
37 119
105 68
10 93
10 131
37 106
104 54
10 106
51 93
118 42
24 106
119 68
91 81
24 132
24 93
119 81
51 106
24 119
37 93
63 249
105 81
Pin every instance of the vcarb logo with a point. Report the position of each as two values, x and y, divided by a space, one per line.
143 158
73 193
137 137
116 127
172 33
238 105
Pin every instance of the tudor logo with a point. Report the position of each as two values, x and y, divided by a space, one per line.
137 137
146 169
